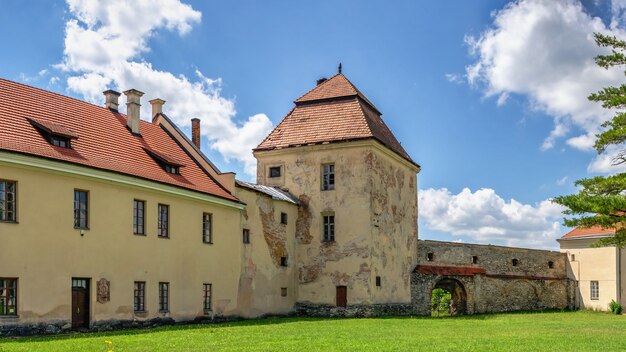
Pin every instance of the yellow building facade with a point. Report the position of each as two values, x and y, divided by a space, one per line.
110 221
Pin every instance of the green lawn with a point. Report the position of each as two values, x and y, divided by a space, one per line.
554 331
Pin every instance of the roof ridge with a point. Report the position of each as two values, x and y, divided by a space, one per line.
317 86
61 95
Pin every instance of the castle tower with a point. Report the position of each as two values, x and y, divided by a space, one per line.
356 231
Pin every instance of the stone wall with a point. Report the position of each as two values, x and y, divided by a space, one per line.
491 282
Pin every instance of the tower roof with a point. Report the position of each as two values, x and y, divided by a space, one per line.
334 111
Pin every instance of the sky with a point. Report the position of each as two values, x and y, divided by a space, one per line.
489 97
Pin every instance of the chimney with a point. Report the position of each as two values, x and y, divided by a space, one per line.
321 80
195 132
157 106
111 99
133 107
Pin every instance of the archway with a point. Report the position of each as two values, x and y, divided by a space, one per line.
451 293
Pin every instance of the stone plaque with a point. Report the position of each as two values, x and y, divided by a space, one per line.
103 290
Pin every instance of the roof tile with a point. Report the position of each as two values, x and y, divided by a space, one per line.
104 140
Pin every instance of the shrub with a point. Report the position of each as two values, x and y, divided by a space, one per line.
615 307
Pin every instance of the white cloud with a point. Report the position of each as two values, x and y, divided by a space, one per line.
604 163
454 78
562 181
104 42
544 50
484 217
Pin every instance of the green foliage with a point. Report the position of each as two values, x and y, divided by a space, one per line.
440 302
615 307
601 200
554 331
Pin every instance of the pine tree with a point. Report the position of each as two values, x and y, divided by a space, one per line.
601 200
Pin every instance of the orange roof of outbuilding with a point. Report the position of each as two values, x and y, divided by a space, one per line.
588 232
102 139
333 111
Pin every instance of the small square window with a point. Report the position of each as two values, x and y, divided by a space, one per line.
515 262
430 257
283 261
551 264
283 218
246 236
275 171
378 281
283 291
474 259
573 257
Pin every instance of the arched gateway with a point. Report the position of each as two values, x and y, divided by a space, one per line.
458 296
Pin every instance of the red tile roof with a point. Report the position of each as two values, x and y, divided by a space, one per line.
104 142
333 111
448 270
591 231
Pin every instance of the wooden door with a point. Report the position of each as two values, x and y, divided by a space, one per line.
80 303
342 296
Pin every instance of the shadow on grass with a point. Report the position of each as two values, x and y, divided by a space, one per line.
260 322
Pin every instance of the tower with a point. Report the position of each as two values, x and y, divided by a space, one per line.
356 231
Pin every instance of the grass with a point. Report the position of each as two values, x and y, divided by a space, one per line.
552 331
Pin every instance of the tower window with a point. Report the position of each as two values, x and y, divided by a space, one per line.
274 171
328 227
378 281
283 218
283 261
328 177
246 236
430 257
551 264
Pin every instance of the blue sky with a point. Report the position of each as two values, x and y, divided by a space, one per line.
486 96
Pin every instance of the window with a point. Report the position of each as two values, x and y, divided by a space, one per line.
573 257
274 171
81 209
378 281
8 296
140 296
515 262
59 141
474 259
207 228
328 177
328 227
283 291
595 290
206 289
164 221
172 169
283 261
283 218
430 257
246 236
164 296
551 265
7 200
139 214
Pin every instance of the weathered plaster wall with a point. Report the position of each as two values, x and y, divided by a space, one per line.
588 264
323 266
44 251
393 210
494 284
262 277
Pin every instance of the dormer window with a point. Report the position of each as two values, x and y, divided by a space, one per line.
56 134
168 163
58 141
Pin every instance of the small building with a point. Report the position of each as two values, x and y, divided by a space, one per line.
599 272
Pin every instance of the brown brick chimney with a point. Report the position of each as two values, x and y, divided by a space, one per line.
195 132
